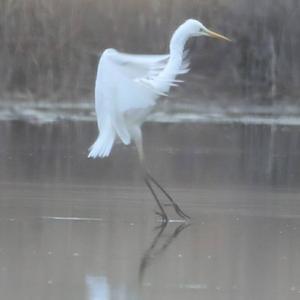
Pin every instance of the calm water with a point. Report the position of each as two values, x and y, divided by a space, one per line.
74 228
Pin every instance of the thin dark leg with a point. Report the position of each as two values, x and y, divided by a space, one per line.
162 213
147 177
177 209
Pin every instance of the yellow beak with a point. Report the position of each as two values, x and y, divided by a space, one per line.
217 36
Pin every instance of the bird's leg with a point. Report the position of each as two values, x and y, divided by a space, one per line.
139 145
149 178
176 207
162 212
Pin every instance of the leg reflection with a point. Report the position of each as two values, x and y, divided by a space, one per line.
159 244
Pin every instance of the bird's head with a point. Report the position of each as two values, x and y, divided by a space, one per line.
194 28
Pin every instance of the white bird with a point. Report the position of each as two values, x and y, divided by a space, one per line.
127 89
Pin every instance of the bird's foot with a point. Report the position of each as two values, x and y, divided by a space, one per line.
161 226
163 216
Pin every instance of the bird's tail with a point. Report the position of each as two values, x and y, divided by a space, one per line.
103 145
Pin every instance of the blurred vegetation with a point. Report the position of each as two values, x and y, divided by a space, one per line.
50 48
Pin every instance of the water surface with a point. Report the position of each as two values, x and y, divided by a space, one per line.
74 228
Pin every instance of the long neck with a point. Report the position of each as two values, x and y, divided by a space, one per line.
173 66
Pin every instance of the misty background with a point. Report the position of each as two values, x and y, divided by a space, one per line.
225 145
50 48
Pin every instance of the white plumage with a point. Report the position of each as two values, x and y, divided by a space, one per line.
127 83
128 86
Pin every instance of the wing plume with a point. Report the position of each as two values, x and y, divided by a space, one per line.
128 82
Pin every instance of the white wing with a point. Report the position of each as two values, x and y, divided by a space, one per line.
117 91
162 81
126 82
135 65
145 69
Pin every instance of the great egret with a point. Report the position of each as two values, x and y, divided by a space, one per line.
126 91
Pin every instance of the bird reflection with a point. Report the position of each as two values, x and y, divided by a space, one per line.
98 288
160 243
105 288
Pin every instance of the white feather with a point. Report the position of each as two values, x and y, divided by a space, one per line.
129 83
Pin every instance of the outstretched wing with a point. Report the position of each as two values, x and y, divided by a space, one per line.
116 90
144 69
126 82
164 78
138 65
